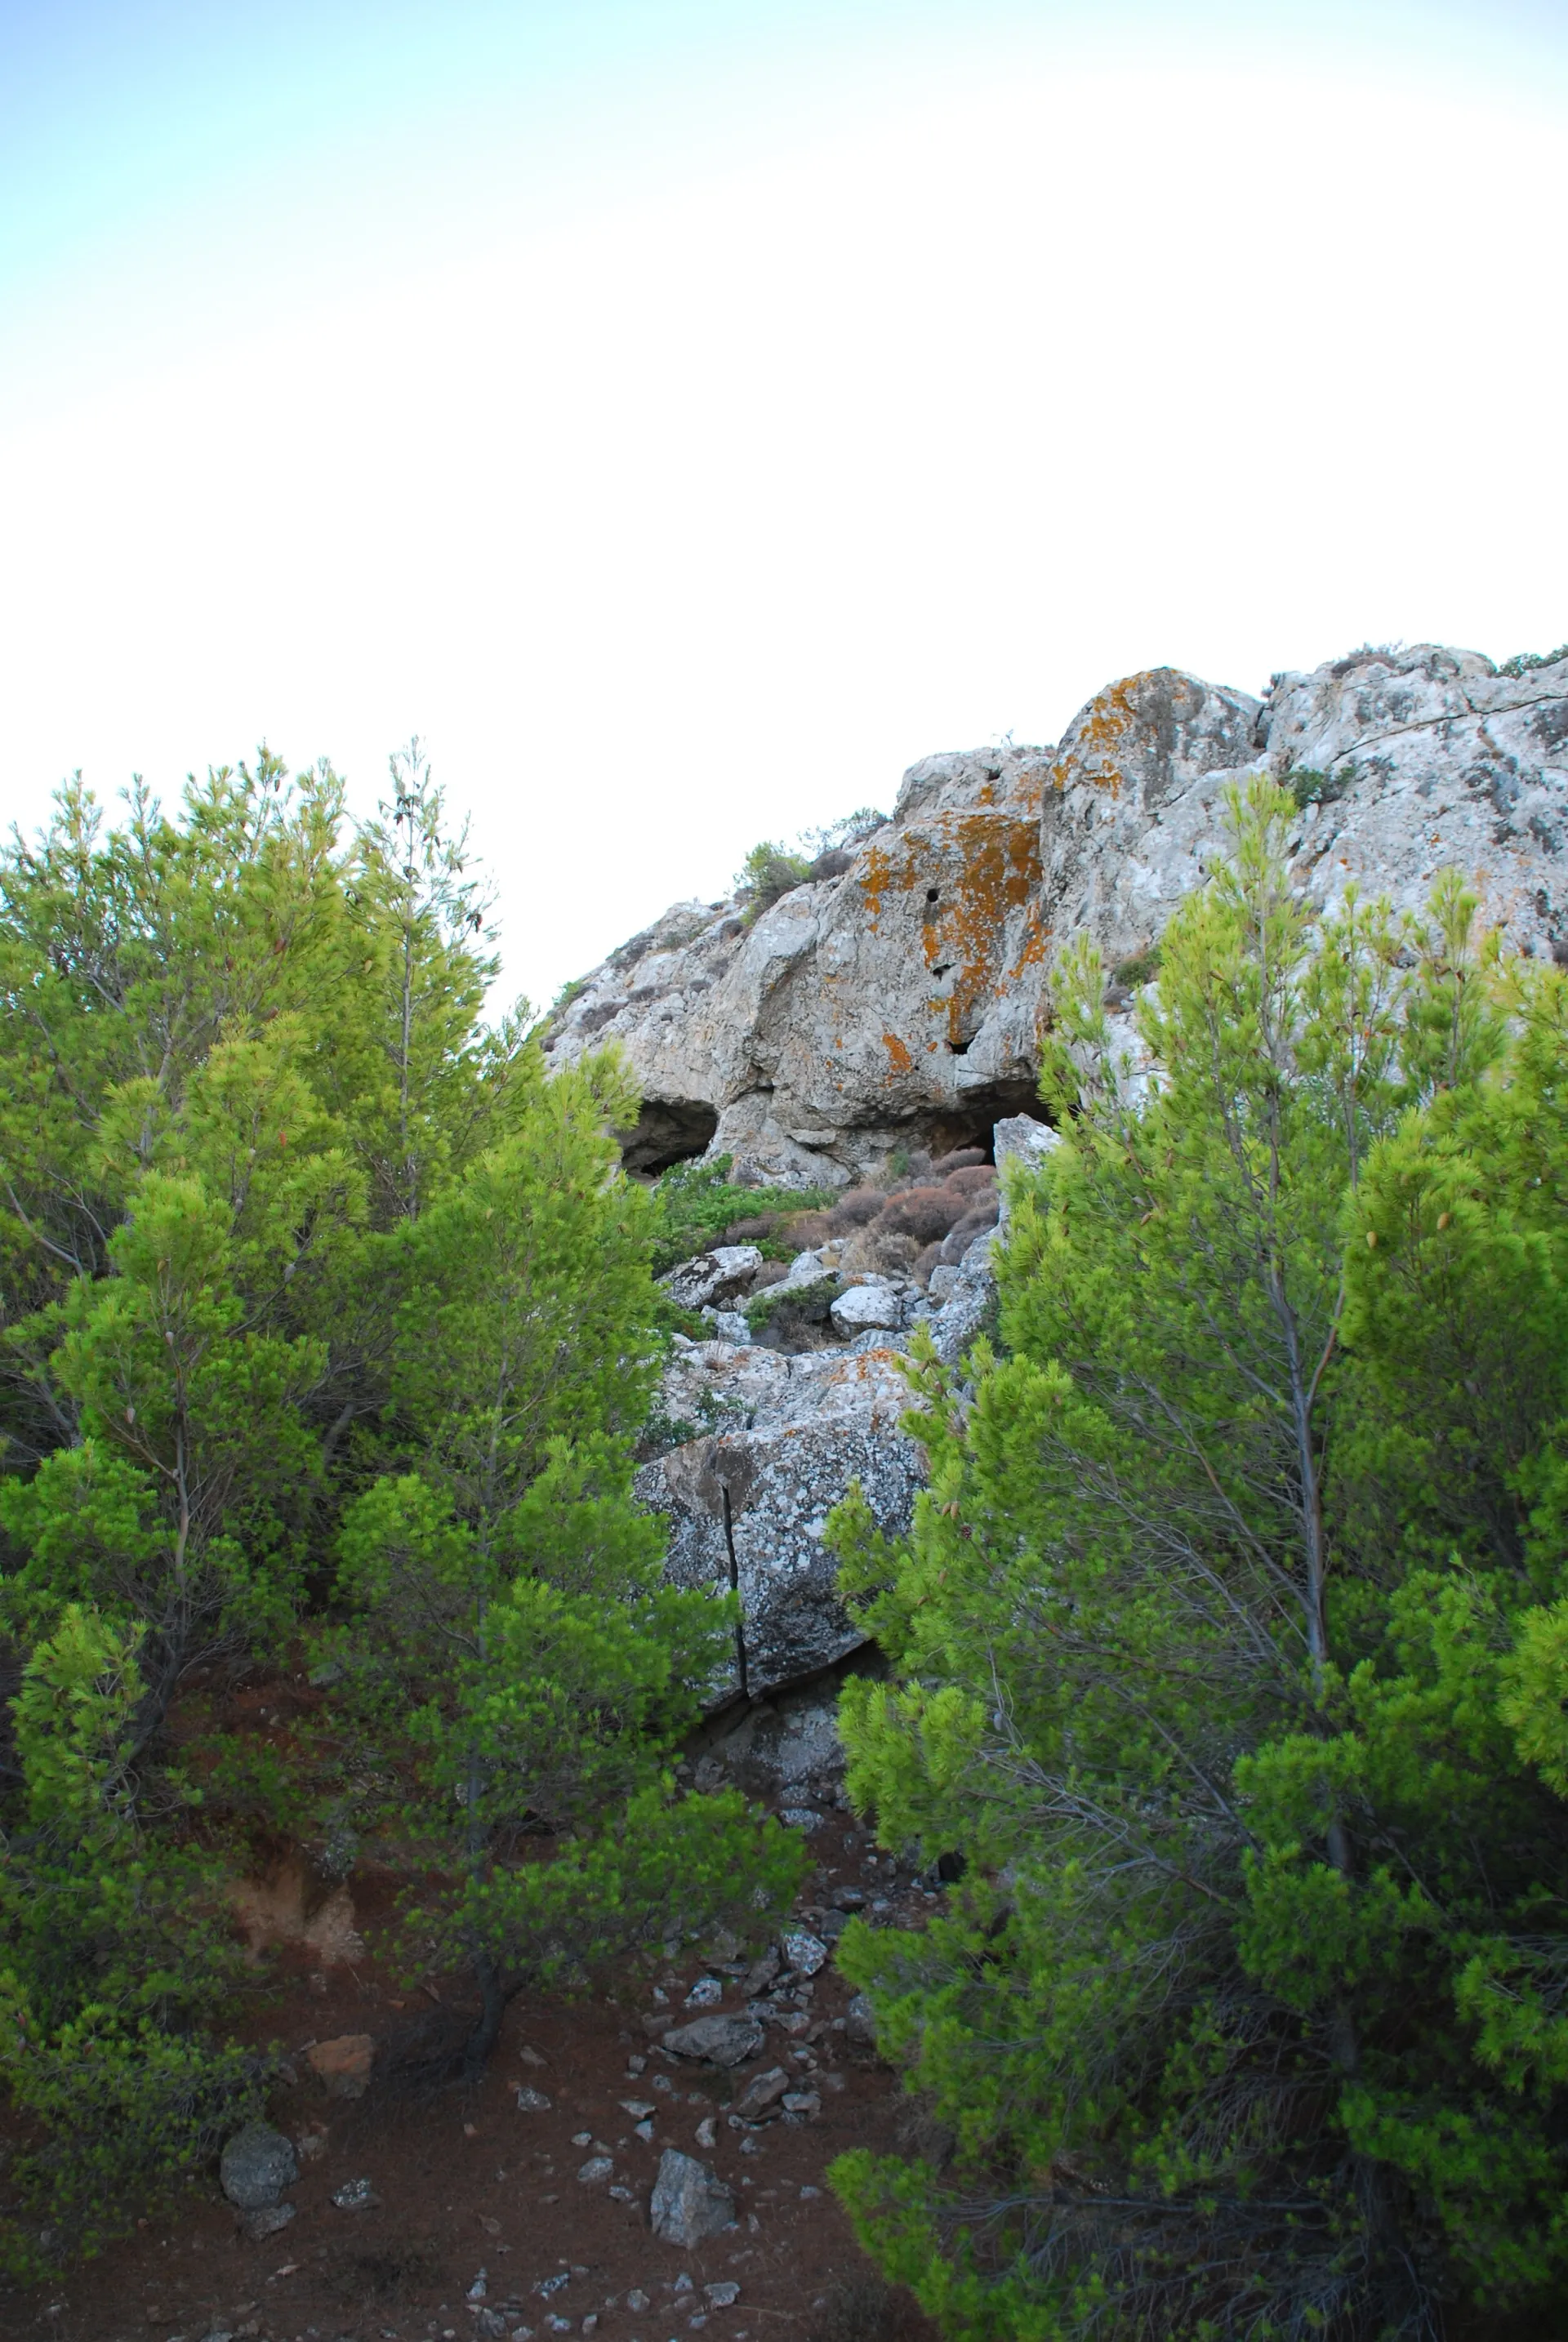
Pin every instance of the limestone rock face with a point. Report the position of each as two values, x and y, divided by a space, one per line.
796 1431
899 1002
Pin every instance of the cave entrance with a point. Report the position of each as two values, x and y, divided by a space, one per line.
971 1118
667 1130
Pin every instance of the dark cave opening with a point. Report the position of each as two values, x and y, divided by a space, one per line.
668 1130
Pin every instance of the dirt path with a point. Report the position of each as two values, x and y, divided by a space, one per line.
465 2182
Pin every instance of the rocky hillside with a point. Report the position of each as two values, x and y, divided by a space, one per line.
875 1032
897 1002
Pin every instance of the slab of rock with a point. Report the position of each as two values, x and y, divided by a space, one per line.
721 2040
343 2065
690 2203
256 2167
711 1278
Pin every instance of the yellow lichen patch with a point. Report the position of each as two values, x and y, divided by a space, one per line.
898 1055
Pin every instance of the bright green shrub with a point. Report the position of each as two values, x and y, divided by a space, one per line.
1228 1651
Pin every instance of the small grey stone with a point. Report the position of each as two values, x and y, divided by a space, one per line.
690 2201
705 1992
598 2168
266 2221
355 2196
256 2166
724 2295
723 2040
532 2102
802 2102
806 1953
860 2024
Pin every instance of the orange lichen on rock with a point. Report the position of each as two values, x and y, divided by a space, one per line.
900 1059
1101 730
997 873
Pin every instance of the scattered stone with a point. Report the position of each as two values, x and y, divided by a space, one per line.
357 2196
636 2301
706 2131
806 2193
705 1992
761 1974
800 1817
256 2166
532 2102
622 2195
638 2108
266 2221
480 2287
722 2040
596 2171
682 2283
581 2139
763 2091
310 2146
690 2201
343 2065
724 2295
636 2065
646 2133
806 1953
859 2022
802 2102
531 2057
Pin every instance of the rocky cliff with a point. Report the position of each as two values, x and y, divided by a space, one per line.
898 1003
876 1032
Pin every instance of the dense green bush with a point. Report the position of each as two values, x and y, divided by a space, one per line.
328 1327
695 1204
1231 1651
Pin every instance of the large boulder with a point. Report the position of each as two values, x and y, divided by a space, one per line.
796 1430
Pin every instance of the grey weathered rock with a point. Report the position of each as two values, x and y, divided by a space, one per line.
901 1000
355 2196
690 2203
867 1307
721 2040
798 1430
860 2023
256 2167
713 1277
266 2220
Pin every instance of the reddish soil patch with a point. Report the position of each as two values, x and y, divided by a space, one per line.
467 2181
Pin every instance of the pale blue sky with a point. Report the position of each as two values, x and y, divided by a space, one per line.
686 412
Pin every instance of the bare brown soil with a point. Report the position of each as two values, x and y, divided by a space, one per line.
467 2182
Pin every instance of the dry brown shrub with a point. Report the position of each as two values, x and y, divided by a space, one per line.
923 1212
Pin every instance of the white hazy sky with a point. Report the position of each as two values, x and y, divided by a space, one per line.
684 415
